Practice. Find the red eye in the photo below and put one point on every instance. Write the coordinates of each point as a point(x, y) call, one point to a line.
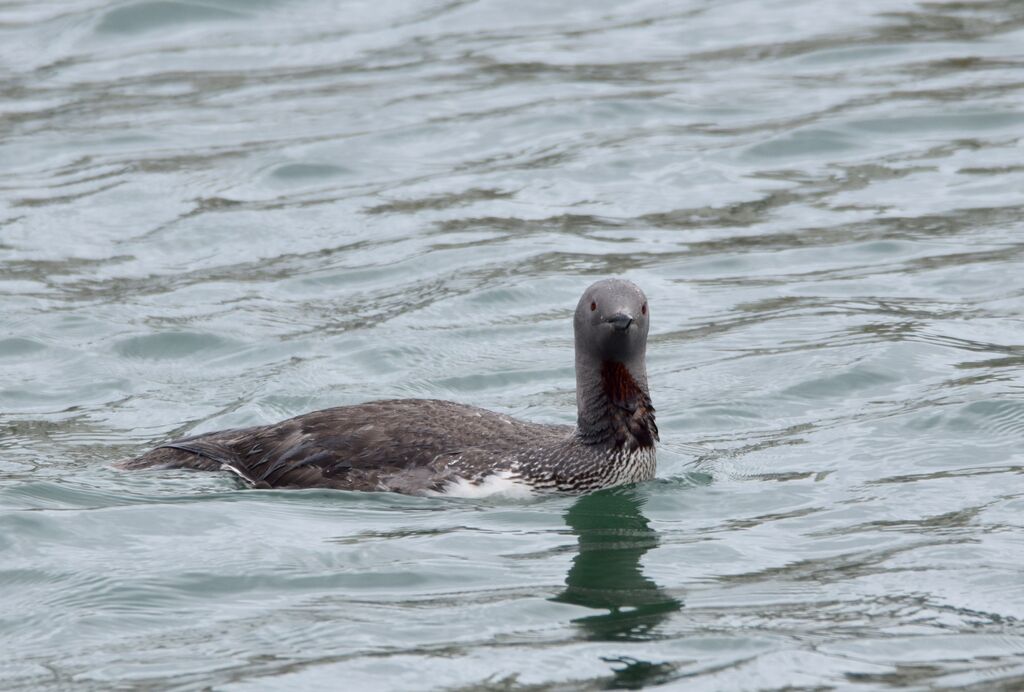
point(644, 309)
point(593, 306)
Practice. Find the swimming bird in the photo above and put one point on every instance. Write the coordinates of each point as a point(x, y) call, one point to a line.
point(432, 447)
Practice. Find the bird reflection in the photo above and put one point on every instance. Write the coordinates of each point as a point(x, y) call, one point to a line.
point(606, 575)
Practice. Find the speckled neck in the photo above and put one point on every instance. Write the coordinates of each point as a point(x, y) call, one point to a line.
point(613, 404)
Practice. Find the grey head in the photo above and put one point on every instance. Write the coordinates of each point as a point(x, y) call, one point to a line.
point(611, 323)
point(612, 400)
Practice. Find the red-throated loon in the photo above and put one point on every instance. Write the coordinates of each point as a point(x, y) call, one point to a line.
point(422, 446)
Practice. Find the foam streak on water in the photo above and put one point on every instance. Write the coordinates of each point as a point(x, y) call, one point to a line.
point(225, 212)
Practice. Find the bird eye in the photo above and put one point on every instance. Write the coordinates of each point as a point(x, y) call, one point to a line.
point(643, 310)
point(593, 306)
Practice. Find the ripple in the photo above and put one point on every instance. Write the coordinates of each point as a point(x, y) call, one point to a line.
point(17, 347)
point(303, 172)
point(225, 213)
point(141, 17)
point(170, 345)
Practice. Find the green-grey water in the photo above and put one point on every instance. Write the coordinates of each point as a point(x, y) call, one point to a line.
point(217, 213)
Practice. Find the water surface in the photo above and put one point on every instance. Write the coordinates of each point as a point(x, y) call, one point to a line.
point(217, 213)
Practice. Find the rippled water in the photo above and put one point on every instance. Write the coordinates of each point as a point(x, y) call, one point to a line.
point(226, 212)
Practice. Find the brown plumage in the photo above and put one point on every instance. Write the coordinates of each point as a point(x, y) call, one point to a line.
point(630, 410)
point(405, 445)
point(421, 445)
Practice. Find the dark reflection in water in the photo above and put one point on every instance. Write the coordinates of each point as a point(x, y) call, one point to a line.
point(606, 574)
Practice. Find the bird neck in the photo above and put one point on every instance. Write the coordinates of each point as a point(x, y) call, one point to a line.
point(613, 405)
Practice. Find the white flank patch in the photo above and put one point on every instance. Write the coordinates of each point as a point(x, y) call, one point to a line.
point(497, 484)
point(232, 469)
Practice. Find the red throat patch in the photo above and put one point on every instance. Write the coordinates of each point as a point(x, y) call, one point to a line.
point(620, 387)
point(631, 411)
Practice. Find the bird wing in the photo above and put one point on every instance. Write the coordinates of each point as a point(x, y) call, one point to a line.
point(390, 445)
